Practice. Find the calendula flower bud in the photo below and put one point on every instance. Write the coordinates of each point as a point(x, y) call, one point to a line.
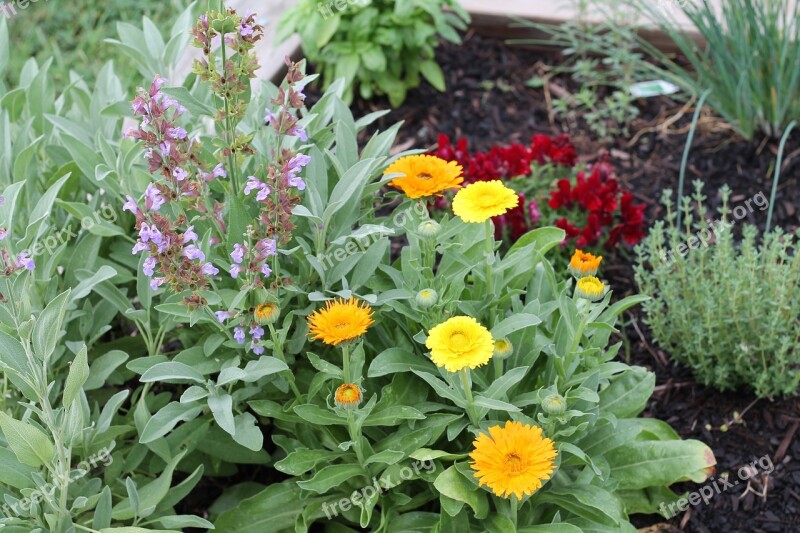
point(429, 228)
point(590, 288)
point(267, 313)
point(584, 264)
point(348, 396)
point(427, 298)
point(554, 404)
point(503, 348)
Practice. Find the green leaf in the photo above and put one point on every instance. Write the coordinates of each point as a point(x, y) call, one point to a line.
point(299, 462)
point(171, 372)
point(514, 323)
point(167, 418)
point(396, 360)
point(31, 446)
point(628, 394)
point(273, 509)
point(317, 415)
point(391, 416)
point(433, 73)
point(48, 325)
point(660, 463)
point(222, 409)
point(78, 374)
point(151, 494)
point(497, 405)
point(331, 476)
point(247, 433)
point(454, 485)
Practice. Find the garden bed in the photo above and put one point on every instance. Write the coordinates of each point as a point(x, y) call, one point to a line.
point(488, 103)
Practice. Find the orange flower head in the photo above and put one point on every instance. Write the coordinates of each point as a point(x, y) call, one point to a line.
point(425, 175)
point(584, 264)
point(348, 396)
point(340, 321)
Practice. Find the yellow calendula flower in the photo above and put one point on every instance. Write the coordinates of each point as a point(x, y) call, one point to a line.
point(425, 175)
point(584, 264)
point(460, 342)
point(590, 288)
point(348, 396)
point(266, 313)
point(340, 321)
point(482, 200)
point(513, 459)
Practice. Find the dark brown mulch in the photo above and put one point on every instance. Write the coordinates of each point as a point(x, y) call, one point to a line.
point(488, 102)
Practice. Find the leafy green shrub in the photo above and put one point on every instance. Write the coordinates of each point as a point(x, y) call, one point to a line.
point(730, 311)
point(750, 60)
point(382, 46)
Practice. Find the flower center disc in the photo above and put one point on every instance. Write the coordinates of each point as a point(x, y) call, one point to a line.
point(458, 341)
point(424, 176)
point(514, 463)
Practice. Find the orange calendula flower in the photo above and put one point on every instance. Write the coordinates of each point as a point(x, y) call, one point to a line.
point(340, 321)
point(425, 175)
point(267, 313)
point(348, 396)
point(584, 264)
point(513, 459)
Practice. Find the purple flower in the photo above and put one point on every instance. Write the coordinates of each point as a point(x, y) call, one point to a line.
point(156, 86)
point(266, 270)
point(163, 245)
point(192, 252)
point(190, 235)
point(258, 350)
point(270, 117)
point(3, 233)
point(166, 148)
point(153, 198)
point(2, 201)
point(235, 270)
point(139, 106)
point(264, 193)
point(176, 133)
point(298, 131)
point(257, 332)
point(219, 172)
point(252, 184)
point(130, 205)
point(148, 266)
point(180, 174)
point(222, 316)
point(246, 29)
point(24, 261)
point(238, 253)
point(150, 233)
point(209, 270)
point(238, 334)
point(155, 283)
point(139, 247)
point(267, 247)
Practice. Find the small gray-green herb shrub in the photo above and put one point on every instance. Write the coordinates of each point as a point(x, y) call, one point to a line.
point(727, 309)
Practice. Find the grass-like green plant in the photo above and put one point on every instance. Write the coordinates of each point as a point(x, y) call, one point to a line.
point(750, 58)
point(381, 46)
point(72, 34)
point(728, 310)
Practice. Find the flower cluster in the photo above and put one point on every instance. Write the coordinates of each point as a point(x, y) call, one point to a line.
point(589, 205)
point(584, 266)
point(605, 208)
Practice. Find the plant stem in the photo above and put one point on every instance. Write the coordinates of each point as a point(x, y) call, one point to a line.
point(513, 505)
point(230, 136)
point(467, 386)
point(277, 349)
point(346, 363)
